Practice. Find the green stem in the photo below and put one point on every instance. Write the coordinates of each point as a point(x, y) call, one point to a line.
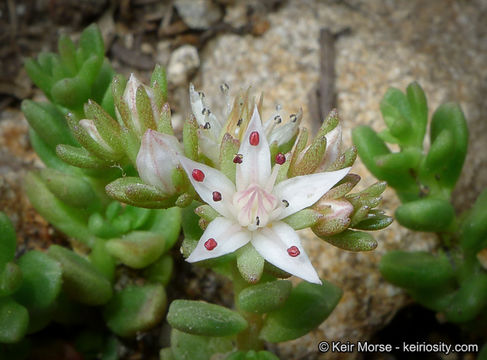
point(249, 338)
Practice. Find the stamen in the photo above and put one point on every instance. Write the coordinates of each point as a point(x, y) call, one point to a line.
point(254, 138)
point(293, 117)
point(224, 87)
point(257, 221)
point(198, 175)
point(278, 119)
point(217, 196)
point(293, 251)
point(238, 159)
point(280, 158)
point(207, 125)
point(286, 203)
point(210, 244)
point(201, 94)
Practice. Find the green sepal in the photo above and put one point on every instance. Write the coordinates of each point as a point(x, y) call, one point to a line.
point(102, 260)
point(469, 301)
point(164, 124)
point(119, 82)
point(311, 158)
point(39, 77)
point(10, 279)
point(136, 308)
point(343, 187)
point(417, 269)
point(265, 297)
point(73, 190)
point(94, 146)
point(190, 138)
point(71, 92)
point(144, 110)
point(80, 157)
point(42, 281)
point(108, 128)
point(426, 215)
point(206, 212)
point(137, 249)
point(376, 220)
point(14, 321)
point(450, 117)
point(202, 318)
point(303, 219)
point(160, 271)
point(91, 42)
point(158, 78)
point(346, 159)
point(48, 122)
point(228, 150)
point(8, 241)
point(306, 308)
point(352, 240)
point(133, 191)
point(418, 106)
point(82, 282)
point(301, 142)
point(250, 263)
point(474, 226)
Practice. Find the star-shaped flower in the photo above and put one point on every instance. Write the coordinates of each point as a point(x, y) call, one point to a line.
point(252, 209)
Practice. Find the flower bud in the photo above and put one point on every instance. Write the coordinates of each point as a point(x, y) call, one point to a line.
point(157, 160)
point(336, 216)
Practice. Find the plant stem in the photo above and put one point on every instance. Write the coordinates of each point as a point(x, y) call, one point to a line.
point(249, 338)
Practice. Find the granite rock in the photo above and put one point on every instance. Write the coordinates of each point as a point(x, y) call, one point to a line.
point(198, 14)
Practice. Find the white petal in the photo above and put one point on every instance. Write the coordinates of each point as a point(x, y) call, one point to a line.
point(196, 105)
point(157, 158)
point(228, 236)
point(333, 145)
point(214, 181)
point(208, 146)
point(273, 244)
point(303, 191)
point(256, 159)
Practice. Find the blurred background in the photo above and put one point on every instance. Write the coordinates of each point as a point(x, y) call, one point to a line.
point(310, 54)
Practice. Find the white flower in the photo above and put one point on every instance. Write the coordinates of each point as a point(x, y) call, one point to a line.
point(280, 131)
point(252, 209)
point(157, 159)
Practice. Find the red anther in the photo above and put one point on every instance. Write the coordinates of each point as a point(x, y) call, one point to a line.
point(198, 175)
point(292, 251)
point(210, 244)
point(238, 159)
point(280, 158)
point(254, 138)
point(217, 196)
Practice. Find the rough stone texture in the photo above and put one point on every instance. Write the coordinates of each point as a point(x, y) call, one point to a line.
point(198, 14)
point(184, 61)
point(440, 44)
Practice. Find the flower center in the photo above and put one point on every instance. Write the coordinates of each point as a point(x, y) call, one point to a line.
point(254, 206)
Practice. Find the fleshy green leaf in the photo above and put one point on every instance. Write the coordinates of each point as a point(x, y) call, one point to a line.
point(306, 308)
point(14, 320)
point(469, 301)
point(426, 215)
point(419, 111)
point(8, 240)
point(136, 308)
point(81, 280)
point(10, 279)
point(42, 280)
point(137, 249)
point(160, 271)
point(264, 298)
point(417, 269)
point(202, 318)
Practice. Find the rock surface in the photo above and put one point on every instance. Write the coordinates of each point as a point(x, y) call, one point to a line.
point(438, 44)
point(184, 61)
point(198, 14)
